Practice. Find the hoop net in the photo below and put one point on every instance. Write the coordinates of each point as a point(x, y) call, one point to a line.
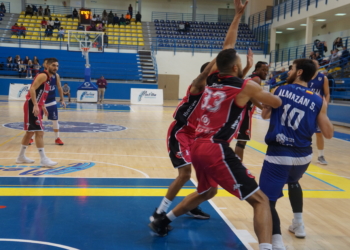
point(85, 51)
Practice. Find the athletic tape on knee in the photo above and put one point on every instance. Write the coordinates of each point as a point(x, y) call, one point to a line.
point(240, 145)
point(55, 125)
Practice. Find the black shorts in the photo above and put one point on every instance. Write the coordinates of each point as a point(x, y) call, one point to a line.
point(245, 130)
point(31, 122)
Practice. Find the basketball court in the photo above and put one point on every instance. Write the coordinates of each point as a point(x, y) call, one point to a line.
point(113, 172)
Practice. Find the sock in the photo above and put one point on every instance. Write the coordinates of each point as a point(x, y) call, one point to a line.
point(277, 241)
point(164, 205)
point(265, 246)
point(298, 217)
point(42, 153)
point(57, 134)
point(23, 150)
point(320, 153)
point(171, 216)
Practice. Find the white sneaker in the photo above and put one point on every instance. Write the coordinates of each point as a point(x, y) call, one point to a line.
point(30, 77)
point(298, 229)
point(322, 161)
point(27, 77)
point(23, 159)
point(47, 163)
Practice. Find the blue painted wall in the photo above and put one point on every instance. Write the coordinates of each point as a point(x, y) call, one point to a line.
point(339, 113)
point(114, 90)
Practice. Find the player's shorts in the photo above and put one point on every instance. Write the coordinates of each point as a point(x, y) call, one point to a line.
point(283, 165)
point(179, 141)
point(31, 122)
point(52, 110)
point(245, 130)
point(217, 164)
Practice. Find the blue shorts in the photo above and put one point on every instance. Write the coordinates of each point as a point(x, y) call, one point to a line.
point(283, 165)
point(53, 112)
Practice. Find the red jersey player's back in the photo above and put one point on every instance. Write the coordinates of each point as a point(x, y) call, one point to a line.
point(41, 92)
point(221, 116)
point(187, 111)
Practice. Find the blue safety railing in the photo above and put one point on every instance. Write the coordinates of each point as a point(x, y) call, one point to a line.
point(7, 6)
point(261, 18)
point(188, 17)
point(201, 45)
point(261, 34)
point(57, 9)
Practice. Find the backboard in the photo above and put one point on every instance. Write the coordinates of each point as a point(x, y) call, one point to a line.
point(78, 39)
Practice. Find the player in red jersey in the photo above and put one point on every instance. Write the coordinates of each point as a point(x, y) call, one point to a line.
point(260, 73)
point(33, 108)
point(181, 133)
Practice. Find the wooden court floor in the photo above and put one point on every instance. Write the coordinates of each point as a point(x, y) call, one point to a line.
point(132, 145)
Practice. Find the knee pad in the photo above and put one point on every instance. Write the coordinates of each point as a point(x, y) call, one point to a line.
point(241, 144)
point(55, 125)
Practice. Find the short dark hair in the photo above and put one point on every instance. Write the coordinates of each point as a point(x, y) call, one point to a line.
point(51, 60)
point(290, 67)
point(259, 64)
point(308, 67)
point(204, 66)
point(226, 60)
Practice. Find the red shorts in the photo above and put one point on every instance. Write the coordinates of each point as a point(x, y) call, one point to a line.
point(217, 164)
point(179, 141)
point(31, 122)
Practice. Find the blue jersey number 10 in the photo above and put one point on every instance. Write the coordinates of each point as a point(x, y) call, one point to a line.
point(300, 114)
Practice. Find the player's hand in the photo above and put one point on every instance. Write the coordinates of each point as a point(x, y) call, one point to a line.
point(63, 104)
point(36, 110)
point(45, 112)
point(250, 59)
point(239, 7)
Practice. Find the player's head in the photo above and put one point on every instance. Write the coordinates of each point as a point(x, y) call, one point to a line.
point(204, 66)
point(52, 65)
point(303, 70)
point(261, 70)
point(44, 63)
point(229, 62)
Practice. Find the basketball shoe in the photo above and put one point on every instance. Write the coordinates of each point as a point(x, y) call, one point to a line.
point(58, 141)
point(160, 225)
point(298, 229)
point(155, 215)
point(31, 141)
point(47, 163)
point(23, 159)
point(322, 161)
point(198, 214)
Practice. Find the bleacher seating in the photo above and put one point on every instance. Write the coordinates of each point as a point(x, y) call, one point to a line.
point(116, 66)
point(202, 35)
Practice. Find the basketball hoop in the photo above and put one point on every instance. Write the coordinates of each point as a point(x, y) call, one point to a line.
point(85, 51)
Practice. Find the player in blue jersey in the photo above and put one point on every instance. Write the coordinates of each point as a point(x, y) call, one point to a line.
point(51, 105)
point(320, 85)
point(289, 137)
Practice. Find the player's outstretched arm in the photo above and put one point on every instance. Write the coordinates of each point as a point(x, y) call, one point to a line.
point(266, 112)
point(232, 33)
point(253, 90)
point(199, 83)
point(324, 123)
point(250, 62)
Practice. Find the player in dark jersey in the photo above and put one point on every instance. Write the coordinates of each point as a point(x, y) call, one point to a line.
point(289, 138)
point(51, 104)
point(181, 133)
point(260, 73)
point(320, 85)
point(34, 106)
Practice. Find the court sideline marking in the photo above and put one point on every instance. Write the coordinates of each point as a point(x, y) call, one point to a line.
point(41, 243)
point(12, 138)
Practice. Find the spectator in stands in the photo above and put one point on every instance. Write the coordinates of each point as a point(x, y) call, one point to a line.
point(127, 18)
point(110, 17)
point(344, 59)
point(105, 40)
point(284, 75)
point(99, 27)
point(94, 18)
point(80, 27)
point(130, 10)
point(22, 31)
point(61, 33)
point(26, 60)
point(9, 62)
point(122, 20)
point(338, 42)
point(312, 56)
point(75, 13)
point(15, 29)
point(334, 58)
point(36, 66)
point(93, 27)
point(50, 23)
point(102, 85)
point(187, 26)
point(35, 59)
point(48, 31)
point(321, 47)
point(138, 17)
point(2, 8)
point(181, 26)
point(319, 58)
point(21, 69)
point(29, 69)
point(272, 80)
point(35, 9)
point(47, 11)
point(98, 19)
point(66, 91)
point(40, 11)
point(56, 24)
point(44, 23)
point(115, 19)
point(104, 16)
point(29, 11)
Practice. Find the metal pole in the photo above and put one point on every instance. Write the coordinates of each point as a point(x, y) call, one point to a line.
point(299, 6)
point(194, 10)
point(292, 7)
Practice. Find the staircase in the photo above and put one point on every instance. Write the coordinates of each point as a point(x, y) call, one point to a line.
point(7, 21)
point(148, 67)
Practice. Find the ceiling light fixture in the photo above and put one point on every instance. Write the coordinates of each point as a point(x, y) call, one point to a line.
point(290, 28)
point(321, 20)
point(340, 14)
point(279, 32)
point(303, 24)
